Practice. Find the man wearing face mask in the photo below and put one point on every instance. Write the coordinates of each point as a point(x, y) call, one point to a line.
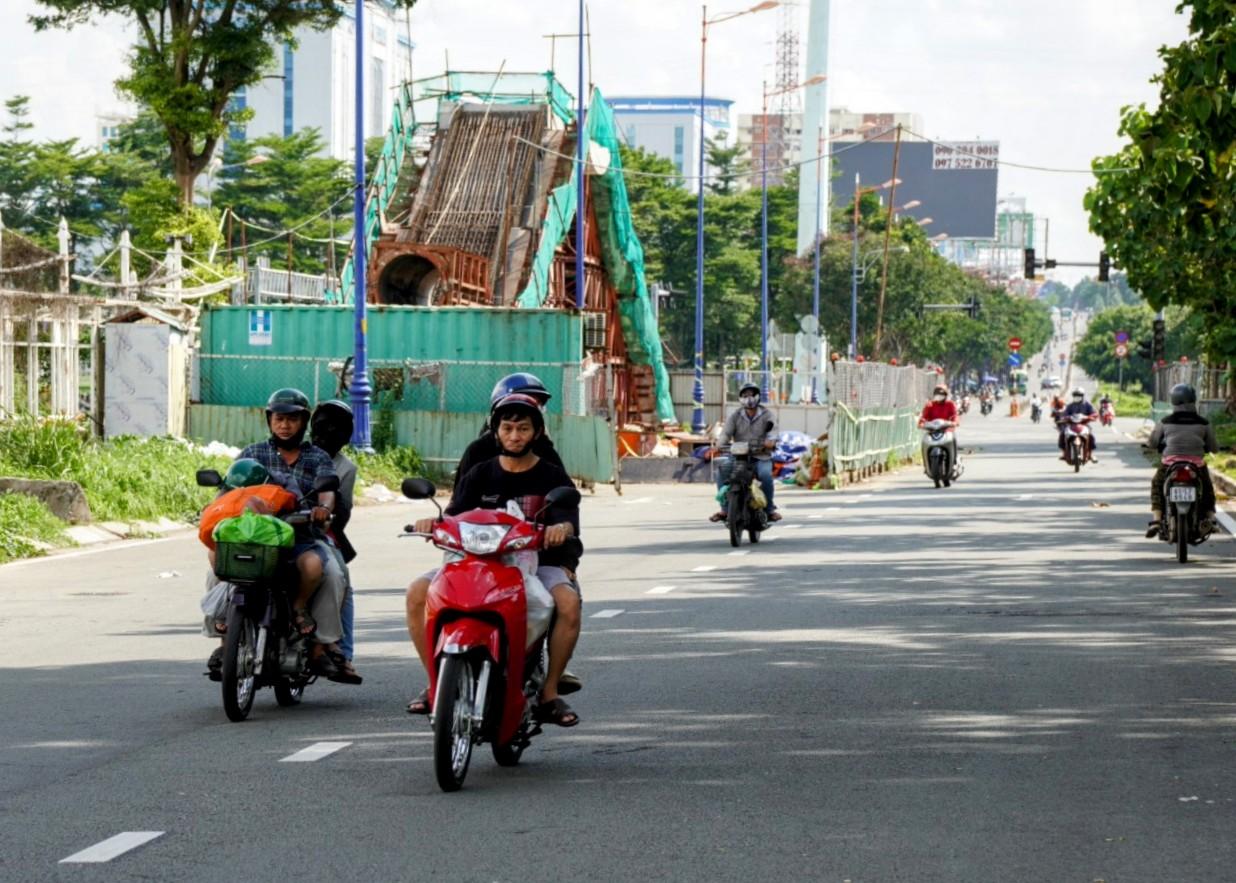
point(1079, 405)
point(941, 408)
point(754, 424)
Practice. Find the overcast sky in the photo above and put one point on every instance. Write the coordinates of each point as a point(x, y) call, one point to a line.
point(1046, 78)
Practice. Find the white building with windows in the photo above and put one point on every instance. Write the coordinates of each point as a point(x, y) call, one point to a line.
point(314, 84)
point(669, 126)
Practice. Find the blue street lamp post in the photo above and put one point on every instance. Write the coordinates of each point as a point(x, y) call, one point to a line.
point(360, 389)
point(697, 392)
point(854, 275)
point(818, 78)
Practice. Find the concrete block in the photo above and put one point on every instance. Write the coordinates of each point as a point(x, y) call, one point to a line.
point(65, 499)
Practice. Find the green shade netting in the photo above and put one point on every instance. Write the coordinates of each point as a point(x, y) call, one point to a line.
point(621, 252)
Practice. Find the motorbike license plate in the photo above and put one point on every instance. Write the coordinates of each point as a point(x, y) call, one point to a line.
point(1182, 494)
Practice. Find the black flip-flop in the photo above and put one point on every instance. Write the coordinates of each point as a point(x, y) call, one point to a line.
point(421, 704)
point(556, 712)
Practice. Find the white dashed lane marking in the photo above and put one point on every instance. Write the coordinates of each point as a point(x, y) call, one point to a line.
point(738, 553)
point(815, 517)
point(790, 526)
point(660, 590)
point(108, 849)
point(606, 614)
point(316, 751)
point(703, 568)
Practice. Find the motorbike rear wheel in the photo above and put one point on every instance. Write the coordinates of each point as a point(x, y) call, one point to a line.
point(239, 660)
point(1182, 537)
point(452, 723)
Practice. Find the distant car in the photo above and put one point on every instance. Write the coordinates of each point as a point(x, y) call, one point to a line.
point(1050, 383)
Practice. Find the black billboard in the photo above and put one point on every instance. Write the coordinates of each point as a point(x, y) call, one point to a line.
point(954, 182)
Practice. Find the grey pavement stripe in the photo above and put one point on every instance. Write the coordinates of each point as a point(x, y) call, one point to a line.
point(108, 849)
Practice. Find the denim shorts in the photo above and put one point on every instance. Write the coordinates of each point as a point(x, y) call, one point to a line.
point(310, 546)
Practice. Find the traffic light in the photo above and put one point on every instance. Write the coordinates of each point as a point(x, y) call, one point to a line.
point(1144, 350)
point(1105, 266)
point(1159, 347)
point(1029, 263)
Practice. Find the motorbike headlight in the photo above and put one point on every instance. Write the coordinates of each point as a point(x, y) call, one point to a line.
point(482, 539)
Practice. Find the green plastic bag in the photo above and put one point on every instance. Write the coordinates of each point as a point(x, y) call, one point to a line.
point(260, 530)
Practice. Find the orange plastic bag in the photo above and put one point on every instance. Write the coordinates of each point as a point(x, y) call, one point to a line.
point(267, 499)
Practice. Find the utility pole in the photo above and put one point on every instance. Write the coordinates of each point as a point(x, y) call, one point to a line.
point(888, 229)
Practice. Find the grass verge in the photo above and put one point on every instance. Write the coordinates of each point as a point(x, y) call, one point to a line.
point(1130, 403)
point(27, 528)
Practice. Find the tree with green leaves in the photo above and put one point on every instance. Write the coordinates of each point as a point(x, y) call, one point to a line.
point(1163, 203)
point(728, 164)
point(290, 187)
point(191, 58)
point(1096, 351)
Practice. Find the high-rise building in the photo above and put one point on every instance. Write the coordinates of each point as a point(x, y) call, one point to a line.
point(314, 84)
point(107, 126)
point(843, 125)
point(669, 127)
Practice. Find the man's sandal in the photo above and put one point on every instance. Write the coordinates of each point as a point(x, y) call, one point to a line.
point(421, 704)
point(346, 673)
point(555, 711)
point(303, 623)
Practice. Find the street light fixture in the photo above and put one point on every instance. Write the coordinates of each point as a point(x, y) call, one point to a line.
point(923, 222)
point(697, 392)
point(812, 81)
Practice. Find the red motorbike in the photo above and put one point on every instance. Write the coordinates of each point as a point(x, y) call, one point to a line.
point(1183, 525)
point(1106, 414)
point(1078, 442)
point(488, 662)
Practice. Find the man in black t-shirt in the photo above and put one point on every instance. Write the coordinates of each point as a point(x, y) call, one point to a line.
point(519, 475)
point(485, 447)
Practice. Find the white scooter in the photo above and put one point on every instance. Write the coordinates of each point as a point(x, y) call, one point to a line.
point(938, 447)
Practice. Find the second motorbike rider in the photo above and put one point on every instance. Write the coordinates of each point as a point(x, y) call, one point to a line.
point(754, 424)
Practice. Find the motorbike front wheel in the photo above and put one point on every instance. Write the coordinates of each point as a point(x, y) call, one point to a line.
point(239, 662)
point(1182, 537)
point(452, 723)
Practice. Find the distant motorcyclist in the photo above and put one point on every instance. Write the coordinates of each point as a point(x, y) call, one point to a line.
point(1078, 407)
point(940, 408)
point(751, 424)
point(1182, 433)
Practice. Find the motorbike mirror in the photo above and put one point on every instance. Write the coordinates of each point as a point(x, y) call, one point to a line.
point(209, 478)
point(325, 483)
point(418, 489)
point(562, 496)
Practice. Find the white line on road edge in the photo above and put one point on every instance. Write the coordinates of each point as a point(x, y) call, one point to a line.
point(738, 553)
point(660, 590)
point(316, 751)
point(790, 526)
point(815, 517)
point(638, 500)
point(111, 847)
point(607, 614)
point(93, 550)
point(703, 568)
point(1229, 524)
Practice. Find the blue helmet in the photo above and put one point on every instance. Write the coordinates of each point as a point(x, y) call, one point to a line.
point(519, 382)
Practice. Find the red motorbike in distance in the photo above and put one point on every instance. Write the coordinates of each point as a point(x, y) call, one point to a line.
point(488, 657)
point(1106, 413)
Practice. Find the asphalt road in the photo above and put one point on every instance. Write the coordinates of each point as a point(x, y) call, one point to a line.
point(997, 681)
